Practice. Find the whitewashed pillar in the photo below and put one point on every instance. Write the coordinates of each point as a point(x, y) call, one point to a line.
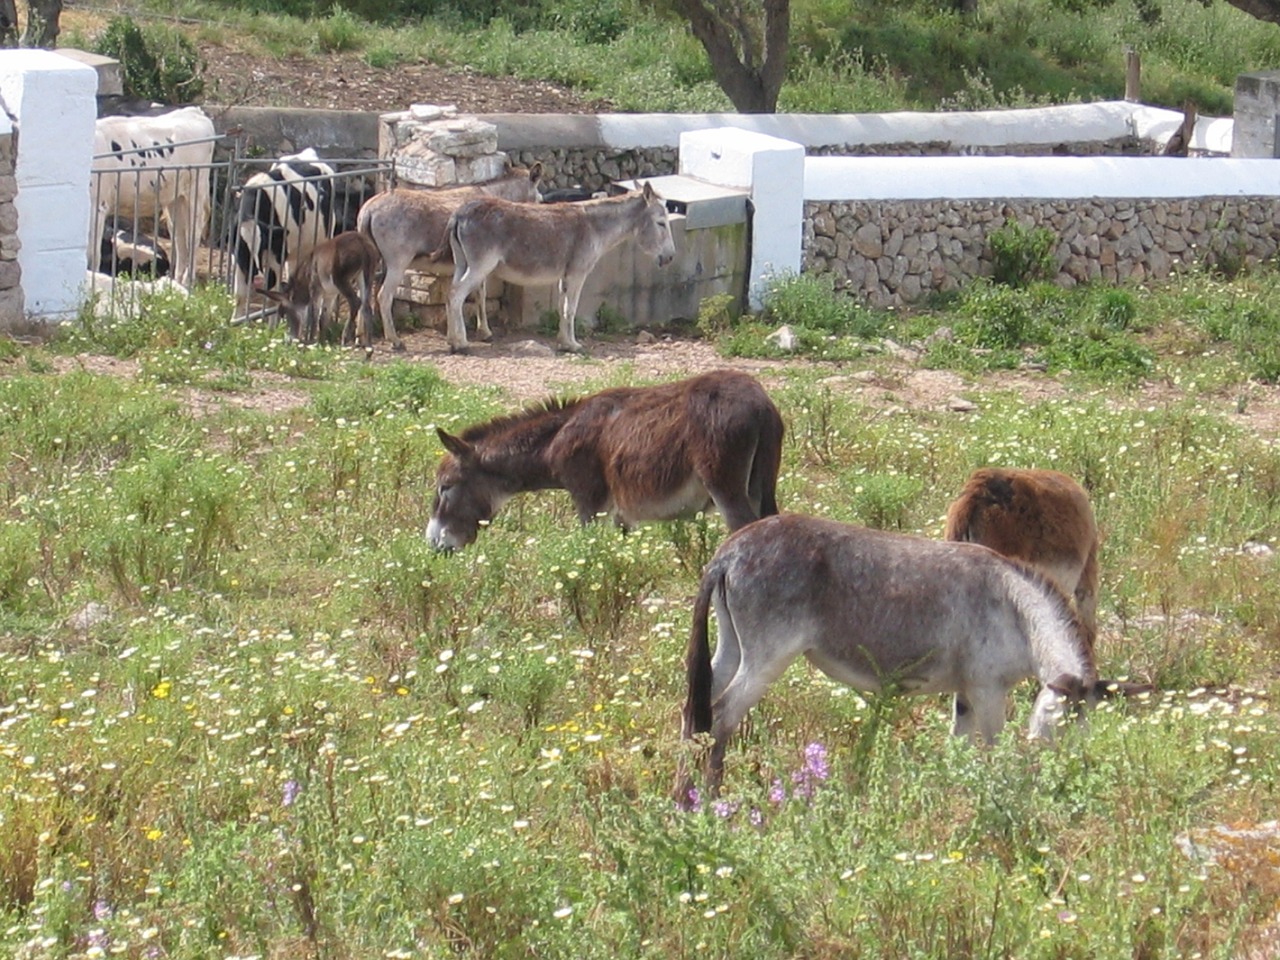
point(773, 170)
point(52, 102)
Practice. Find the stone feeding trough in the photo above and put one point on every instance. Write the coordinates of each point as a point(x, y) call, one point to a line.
point(433, 147)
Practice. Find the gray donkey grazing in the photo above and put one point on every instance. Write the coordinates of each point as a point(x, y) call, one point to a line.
point(874, 609)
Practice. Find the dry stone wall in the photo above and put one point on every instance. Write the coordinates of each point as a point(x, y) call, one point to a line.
point(11, 299)
point(895, 252)
point(594, 168)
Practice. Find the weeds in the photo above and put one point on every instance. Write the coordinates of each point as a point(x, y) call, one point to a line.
point(296, 724)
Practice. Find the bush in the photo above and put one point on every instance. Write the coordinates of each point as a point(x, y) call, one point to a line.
point(158, 62)
point(1021, 255)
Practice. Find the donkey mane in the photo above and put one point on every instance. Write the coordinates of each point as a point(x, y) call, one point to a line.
point(1060, 604)
point(534, 411)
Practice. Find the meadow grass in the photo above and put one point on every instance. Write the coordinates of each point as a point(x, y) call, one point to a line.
point(245, 711)
point(860, 57)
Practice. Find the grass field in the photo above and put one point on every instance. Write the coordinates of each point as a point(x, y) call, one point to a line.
point(245, 711)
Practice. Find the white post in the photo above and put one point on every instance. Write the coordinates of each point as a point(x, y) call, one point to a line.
point(773, 170)
point(51, 100)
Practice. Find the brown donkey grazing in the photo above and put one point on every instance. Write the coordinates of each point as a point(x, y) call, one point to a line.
point(1040, 517)
point(635, 453)
point(875, 610)
point(309, 297)
point(548, 243)
point(406, 224)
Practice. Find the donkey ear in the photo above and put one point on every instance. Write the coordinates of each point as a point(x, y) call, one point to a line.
point(455, 445)
point(535, 172)
point(1065, 685)
point(647, 191)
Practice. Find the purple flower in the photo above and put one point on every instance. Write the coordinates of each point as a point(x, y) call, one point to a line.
point(102, 910)
point(815, 761)
point(814, 771)
point(291, 791)
point(695, 800)
point(724, 809)
point(777, 793)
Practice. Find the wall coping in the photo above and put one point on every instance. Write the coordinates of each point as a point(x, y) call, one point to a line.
point(1050, 178)
point(1108, 120)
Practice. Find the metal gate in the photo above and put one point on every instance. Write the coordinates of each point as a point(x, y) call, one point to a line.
point(132, 203)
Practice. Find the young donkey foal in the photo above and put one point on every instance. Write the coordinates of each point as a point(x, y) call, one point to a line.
point(636, 453)
point(1040, 517)
point(548, 243)
point(309, 297)
point(873, 609)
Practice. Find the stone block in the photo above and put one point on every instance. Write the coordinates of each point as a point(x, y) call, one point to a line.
point(480, 169)
point(432, 171)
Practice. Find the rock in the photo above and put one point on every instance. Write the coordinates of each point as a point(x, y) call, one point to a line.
point(784, 338)
point(961, 405)
point(89, 616)
point(531, 348)
point(644, 337)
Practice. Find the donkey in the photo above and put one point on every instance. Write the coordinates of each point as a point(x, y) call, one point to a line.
point(635, 453)
point(548, 243)
point(405, 224)
point(875, 610)
point(309, 297)
point(1040, 517)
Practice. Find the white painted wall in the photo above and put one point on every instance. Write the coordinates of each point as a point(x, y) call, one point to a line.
point(773, 170)
point(51, 100)
point(983, 128)
point(928, 178)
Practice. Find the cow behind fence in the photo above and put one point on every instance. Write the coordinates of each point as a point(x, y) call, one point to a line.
point(154, 168)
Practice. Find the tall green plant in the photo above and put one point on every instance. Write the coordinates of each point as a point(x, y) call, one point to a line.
point(159, 63)
point(1021, 255)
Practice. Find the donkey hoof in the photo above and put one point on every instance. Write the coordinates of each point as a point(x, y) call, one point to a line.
point(368, 353)
point(463, 350)
point(575, 348)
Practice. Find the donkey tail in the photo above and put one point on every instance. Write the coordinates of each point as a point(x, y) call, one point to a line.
point(445, 247)
point(767, 462)
point(697, 706)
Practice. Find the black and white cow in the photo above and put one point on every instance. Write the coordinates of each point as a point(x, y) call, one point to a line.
point(285, 212)
point(126, 252)
point(146, 168)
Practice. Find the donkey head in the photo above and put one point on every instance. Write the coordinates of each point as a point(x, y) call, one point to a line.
point(1068, 695)
point(467, 495)
point(654, 235)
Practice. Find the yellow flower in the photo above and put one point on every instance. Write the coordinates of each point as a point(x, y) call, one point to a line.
point(162, 689)
point(155, 833)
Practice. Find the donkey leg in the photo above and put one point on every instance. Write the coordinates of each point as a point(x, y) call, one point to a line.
point(979, 714)
point(1086, 594)
point(465, 280)
point(395, 270)
point(482, 313)
point(572, 288)
point(744, 691)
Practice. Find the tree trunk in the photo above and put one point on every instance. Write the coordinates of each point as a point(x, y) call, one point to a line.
point(967, 6)
point(42, 22)
point(749, 63)
point(1268, 10)
point(8, 23)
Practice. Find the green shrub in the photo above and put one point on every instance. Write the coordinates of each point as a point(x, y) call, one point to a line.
point(1021, 255)
point(340, 30)
point(158, 62)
